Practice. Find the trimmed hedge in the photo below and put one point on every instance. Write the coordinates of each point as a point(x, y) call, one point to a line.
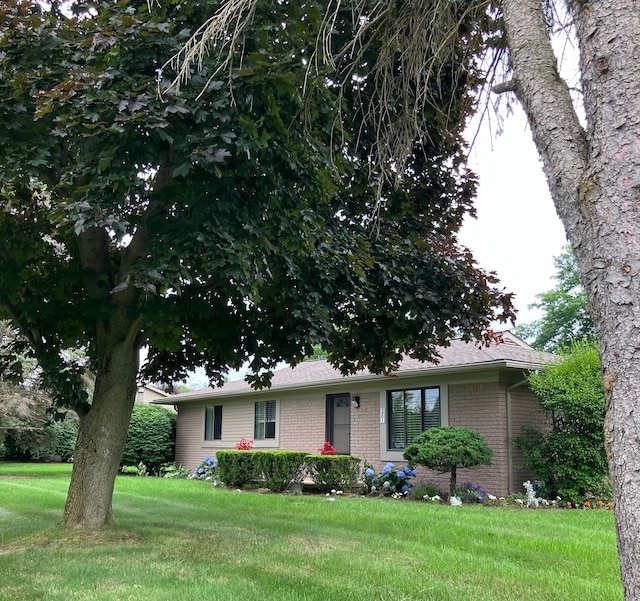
point(237, 468)
point(329, 472)
point(280, 470)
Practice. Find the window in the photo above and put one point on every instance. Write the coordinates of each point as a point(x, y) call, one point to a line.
point(265, 420)
point(213, 423)
point(410, 413)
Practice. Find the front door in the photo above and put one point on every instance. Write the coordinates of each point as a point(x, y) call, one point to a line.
point(339, 422)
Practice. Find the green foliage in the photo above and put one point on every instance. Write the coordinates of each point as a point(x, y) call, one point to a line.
point(448, 448)
point(237, 225)
point(151, 437)
point(237, 468)
point(329, 472)
point(570, 458)
point(425, 491)
point(172, 471)
point(279, 470)
point(565, 314)
point(27, 443)
point(66, 434)
point(390, 481)
point(115, 197)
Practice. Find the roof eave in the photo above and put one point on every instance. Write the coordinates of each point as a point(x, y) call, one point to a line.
point(364, 378)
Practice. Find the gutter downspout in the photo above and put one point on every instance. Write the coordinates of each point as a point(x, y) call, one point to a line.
point(510, 434)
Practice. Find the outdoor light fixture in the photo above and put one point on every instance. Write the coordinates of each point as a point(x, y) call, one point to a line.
point(355, 402)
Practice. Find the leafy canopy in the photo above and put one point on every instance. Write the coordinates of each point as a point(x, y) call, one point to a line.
point(238, 224)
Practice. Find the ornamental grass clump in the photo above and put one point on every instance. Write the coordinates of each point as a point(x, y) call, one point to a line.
point(448, 448)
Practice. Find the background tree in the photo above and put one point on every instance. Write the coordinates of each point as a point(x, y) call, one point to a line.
point(570, 458)
point(241, 224)
point(448, 448)
point(565, 317)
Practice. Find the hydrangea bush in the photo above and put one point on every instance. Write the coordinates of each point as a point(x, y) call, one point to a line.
point(390, 481)
point(207, 470)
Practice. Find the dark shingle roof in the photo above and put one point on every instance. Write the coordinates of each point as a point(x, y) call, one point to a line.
point(466, 356)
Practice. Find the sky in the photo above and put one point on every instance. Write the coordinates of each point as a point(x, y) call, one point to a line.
point(517, 232)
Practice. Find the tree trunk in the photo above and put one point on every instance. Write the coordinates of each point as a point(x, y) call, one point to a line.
point(594, 177)
point(102, 435)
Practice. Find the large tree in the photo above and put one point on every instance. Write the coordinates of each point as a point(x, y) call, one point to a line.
point(593, 172)
point(246, 223)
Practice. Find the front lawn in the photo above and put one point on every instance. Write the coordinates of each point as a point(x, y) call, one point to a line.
point(184, 540)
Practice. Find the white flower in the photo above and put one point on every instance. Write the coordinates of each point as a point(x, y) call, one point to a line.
point(519, 501)
point(435, 498)
point(491, 497)
point(455, 501)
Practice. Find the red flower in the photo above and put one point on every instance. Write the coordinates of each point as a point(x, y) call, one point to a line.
point(244, 444)
point(327, 449)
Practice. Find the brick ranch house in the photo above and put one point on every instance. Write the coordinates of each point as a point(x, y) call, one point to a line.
point(373, 417)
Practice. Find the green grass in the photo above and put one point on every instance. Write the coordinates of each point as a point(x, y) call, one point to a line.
point(177, 539)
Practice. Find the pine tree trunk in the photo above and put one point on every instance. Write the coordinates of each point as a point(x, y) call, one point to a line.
point(102, 435)
point(594, 177)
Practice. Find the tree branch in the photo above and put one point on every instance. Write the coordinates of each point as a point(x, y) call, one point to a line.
point(545, 97)
point(505, 86)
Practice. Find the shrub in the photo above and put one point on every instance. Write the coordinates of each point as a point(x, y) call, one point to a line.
point(420, 491)
point(66, 434)
point(468, 493)
point(570, 459)
point(448, 448)
point(171, 470)
point(390, 481)
point(206, 470)
point(151, 436)
point(279, 470)
point(237, 468)
point(328, 472)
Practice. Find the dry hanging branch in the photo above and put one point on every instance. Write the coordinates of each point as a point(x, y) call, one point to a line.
point(417, 40)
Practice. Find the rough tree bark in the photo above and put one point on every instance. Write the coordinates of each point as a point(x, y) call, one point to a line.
point(103, 428)
point(594, 178)
point(104, 423)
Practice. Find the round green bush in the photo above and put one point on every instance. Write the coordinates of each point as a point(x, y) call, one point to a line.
point(448, 448)
point(151, 437)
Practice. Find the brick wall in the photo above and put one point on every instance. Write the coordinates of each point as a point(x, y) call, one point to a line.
point(483, 408)
point(302, 423)
point(365, 429)
point(525, 411)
